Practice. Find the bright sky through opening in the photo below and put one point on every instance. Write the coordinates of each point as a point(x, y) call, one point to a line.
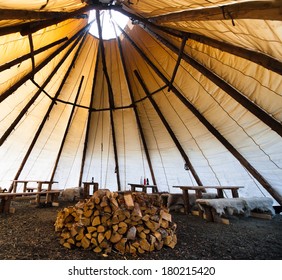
point(108, 30)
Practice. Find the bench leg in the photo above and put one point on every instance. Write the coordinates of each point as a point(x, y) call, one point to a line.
point(235, 193)
point(220, 193)
point(207, 210)
point(5, 205)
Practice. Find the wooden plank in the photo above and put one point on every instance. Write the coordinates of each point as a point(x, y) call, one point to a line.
point(267, 10)
point(264, 216)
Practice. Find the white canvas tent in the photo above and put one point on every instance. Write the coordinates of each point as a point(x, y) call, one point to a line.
point(188, 94)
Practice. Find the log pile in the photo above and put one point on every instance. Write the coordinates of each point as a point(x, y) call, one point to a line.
point(127, 222)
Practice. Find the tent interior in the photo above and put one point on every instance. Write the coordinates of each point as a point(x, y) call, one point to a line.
point(187, 92)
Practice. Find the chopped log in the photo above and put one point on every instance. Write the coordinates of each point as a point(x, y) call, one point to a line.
point(91, 229)
point(85, 242)
point(101, 237)
point(96, 221)
point(128, 201)
point(131, 233)
point(159, 245)
point(158, 235)
point(97, 249)
point(165, 215)
point(153, 226)
point(142, 235)
point(67, 245)
point(108, 234)
point(145, 245)
point(120, 246)
point(114, 203)
point(94, 241)
point(115, 227)
point(101, 228)
point(132, 249)
point(116, 237)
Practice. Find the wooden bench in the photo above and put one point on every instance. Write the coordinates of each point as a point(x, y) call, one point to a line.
point(199, 190)
point(6, 198)
point(213, 209)
point(144, 188)
point(25, 183)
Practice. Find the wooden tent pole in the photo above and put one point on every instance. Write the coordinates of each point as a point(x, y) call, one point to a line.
point(262, 59)
point(66, 131)
point(33, 26)
point(209, 126)
point(28, 76)
point(144, 142)
point(235, 94)
point(51, 105)
point(28, 56)
point(267, 10)
point(31, 52)
point(85, 146)
point(180, 53)
point(32, 100)
point(111, 96)
point(168, 128)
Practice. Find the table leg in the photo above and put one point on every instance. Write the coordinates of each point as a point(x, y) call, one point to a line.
point(220, 193)
point(48, 196)
point(186, 201)
point(199, 194)
point(39, 189)
point(95, 188)
point(85, 190)
point(15, 187)
point(25, 187)
point(235, 192)
point(5, 205)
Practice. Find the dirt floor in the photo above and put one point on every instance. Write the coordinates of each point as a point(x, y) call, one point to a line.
point(29, 234)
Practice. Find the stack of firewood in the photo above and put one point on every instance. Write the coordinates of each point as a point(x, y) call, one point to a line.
point(125, 222)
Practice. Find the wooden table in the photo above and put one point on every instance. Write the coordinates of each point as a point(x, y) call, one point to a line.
point(86, 188)
point(199, 193)
point(39, 187)
point(6, 198)
point(144, 187)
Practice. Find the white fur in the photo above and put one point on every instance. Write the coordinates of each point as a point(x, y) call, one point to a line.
point(71, 194)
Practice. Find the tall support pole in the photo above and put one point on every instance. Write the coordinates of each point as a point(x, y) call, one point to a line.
point(111, 96)
point(137, 116)
point(66, 131)
point(169, 129)
point(178, 61)
point(88, 122)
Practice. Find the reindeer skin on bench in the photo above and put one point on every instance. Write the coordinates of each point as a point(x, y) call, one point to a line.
point(241, 205)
